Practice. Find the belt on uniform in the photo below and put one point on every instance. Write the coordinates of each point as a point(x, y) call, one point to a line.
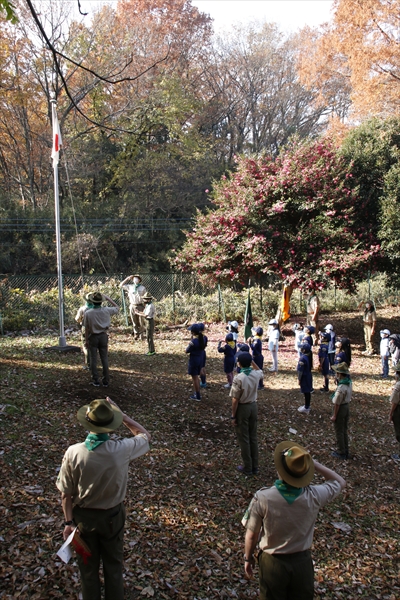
point(116, 508)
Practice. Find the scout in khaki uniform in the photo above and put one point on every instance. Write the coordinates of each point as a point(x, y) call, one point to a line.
point(93, 480)
point(369, 322)
point(148, 315)
point(135, 291)
point(394, 416)
point(341, 400)
point(312, 309)
point(281, 520)
point(244, 411)
point(79, 319)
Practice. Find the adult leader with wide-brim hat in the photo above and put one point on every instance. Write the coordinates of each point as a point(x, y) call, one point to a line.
point(341, 368)
point(100, 416)
point(94, 297)
point(294, 464)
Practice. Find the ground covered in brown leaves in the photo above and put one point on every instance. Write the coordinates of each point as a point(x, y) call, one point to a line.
point(185, 498)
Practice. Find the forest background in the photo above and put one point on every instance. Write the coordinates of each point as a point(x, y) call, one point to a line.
point(155, 110)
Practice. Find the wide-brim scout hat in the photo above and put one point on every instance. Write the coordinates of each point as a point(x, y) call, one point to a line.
point(138, 276)
point(147, 297)
point(100, 416)
point(94, 297)
point(294, 464)
point(341, 368)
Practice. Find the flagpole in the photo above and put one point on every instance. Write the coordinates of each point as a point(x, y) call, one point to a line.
point(61, 339)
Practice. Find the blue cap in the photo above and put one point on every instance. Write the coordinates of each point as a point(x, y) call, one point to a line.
point(310, 328)
point(201, 326)
point(243, 347)
point(245, 359)
point(229, 337)
point(325, 335)
point(194, 328)
point(305, 347)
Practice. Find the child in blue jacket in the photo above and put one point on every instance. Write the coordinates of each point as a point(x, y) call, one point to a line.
point(229, 350)
point(304, 375)
point(323, 357)
point(256, 350)
point(195, 350)
point(203, 382)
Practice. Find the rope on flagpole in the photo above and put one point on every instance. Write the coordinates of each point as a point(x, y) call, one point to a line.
point(74, 215)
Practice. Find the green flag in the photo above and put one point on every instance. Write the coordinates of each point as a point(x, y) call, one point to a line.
point(248, 319)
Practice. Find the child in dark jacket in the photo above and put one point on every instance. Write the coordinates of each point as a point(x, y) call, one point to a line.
point(305, 376)
point(324, 359)
point(229, 350)
point(203, 382)
point(195, 350)
point(309, 331)
point(256, 350)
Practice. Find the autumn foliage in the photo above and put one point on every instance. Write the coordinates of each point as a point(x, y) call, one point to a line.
point(295, 217)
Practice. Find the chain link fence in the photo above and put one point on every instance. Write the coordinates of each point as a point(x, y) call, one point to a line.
point(31, 301)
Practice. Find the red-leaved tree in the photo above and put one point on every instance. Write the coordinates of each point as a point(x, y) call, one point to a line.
point(294, 217)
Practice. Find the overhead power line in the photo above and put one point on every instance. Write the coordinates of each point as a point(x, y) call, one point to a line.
point(88, 225)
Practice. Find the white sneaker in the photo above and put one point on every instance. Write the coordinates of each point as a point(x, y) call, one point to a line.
point(271, 370)
point(227, 385)
point(303, 409)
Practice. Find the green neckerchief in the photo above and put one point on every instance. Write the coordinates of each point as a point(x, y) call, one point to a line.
point(345, 381)
point(246, 370)
point(232, 344)
point(287, 491)
point(89, 305)
point(136, 286)
point(95, 439)
point(96, 306)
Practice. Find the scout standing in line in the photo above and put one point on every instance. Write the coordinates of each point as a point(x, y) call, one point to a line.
point(136, 291)
point(341, 400)
point(79, 319)
point(148, 315)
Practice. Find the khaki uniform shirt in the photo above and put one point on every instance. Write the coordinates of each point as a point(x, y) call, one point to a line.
point(80, 314)
point(395, 395)
point(369, 317)
point(312, 305)
point(149, 311)
point(244, 387)
point(342, 394)
point(135, 295)
point(98, 479)
point(98, 320)
point(288, 528)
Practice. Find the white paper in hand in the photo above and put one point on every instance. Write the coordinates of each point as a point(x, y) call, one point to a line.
point(65, 552)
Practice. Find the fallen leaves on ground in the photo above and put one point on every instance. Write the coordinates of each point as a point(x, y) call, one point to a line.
point(185, 499)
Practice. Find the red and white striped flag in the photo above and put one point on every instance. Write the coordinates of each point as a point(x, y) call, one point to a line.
point(57, 141)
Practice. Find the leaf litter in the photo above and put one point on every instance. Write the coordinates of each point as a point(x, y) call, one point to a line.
point(185, 498)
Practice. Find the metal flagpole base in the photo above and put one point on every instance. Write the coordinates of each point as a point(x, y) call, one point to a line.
point(64, 348)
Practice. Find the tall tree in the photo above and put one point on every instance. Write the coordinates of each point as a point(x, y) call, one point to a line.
point(294, 217)
point(361, 45)
point(256, 98)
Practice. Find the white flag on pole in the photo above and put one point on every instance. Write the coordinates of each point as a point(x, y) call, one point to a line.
point(57, 141)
